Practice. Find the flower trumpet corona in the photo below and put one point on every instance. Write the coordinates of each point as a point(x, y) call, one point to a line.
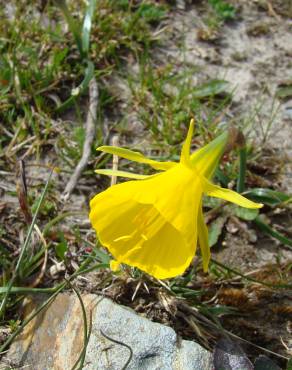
point(154, 222)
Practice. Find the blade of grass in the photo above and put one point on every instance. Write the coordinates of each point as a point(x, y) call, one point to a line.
point(216, 324)
point(223, 179)
point(83, 353)
point(72, 24)
point(86, 332)
point(242, 170)
point(272, 232)
point(34, 314)
point(122, 344)
point(289, 364)
point(59, 218)
point(268, 196)
point(87, 23)
point(187, 292)
point(248, 278)
point(56, 290)
point(27, 290)
point(89, 72)
point(25, 245)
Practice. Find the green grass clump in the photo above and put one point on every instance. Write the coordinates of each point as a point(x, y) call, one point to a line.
point(44, 70)
point(223, 9)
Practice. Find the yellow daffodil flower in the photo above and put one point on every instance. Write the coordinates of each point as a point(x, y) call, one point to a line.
point(154, 222)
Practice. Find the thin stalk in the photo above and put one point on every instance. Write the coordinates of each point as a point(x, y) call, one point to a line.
point(59, 218)
point(26, 321)
point(235, 272)
point(56, 290)
point(72, 24)
point(242, 170)
point(86, 335)
point(26, 290)
point(23, 250)
point(87, 23)
point(272, 232)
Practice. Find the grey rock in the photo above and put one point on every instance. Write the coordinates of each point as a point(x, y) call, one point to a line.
point(54, 340)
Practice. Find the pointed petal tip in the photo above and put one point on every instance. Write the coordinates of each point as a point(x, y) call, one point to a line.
point(229, 195)
point(185, 153)
point(250, 204)
point(125, 174)
point(191, 127)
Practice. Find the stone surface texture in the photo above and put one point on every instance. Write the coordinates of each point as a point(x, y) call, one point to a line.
point(54, 340)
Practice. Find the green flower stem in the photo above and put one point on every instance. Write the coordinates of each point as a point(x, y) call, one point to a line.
point(242, 170)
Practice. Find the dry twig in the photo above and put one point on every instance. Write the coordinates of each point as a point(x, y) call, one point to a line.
point(115, 142)
point(272, 12)
point(89, 137)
